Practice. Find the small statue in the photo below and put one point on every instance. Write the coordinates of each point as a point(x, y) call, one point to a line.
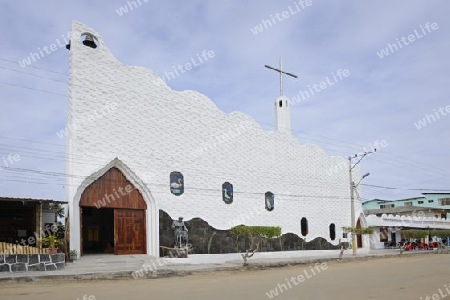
point(181, 233)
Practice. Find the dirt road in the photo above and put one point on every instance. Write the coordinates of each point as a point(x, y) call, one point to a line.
point(382, 278)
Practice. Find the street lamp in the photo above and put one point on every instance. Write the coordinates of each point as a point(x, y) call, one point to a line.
point(356, 185)
point(353, 186)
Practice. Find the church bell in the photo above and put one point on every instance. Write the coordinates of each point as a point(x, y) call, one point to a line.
point(89, 41)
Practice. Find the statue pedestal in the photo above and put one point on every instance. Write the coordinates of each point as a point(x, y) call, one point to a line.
point(175, 252)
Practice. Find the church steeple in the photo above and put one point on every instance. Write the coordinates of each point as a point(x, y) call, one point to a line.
point(282, 115)
point(282, 110)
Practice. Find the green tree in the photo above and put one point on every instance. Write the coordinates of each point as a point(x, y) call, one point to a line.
point(414, 233)
point(256, 235)
point(58, 209)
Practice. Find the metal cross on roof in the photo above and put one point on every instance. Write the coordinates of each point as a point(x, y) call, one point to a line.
point(280, 70)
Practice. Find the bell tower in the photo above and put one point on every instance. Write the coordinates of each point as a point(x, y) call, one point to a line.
point(282, 115)
point(282, 110)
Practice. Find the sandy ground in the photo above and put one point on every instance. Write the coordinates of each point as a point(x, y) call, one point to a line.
point(377, 278)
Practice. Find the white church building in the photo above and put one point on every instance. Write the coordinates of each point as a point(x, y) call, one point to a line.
point(136, 147)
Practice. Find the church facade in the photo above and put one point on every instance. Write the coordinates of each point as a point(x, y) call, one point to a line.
point(136, 148)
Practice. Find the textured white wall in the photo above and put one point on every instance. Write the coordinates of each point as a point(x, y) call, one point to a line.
point(154, 130)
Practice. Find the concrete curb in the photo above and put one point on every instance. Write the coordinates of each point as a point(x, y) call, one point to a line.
point(229, 266)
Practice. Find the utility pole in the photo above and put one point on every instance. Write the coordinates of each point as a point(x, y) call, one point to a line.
point(352, 203)
point(353, 186)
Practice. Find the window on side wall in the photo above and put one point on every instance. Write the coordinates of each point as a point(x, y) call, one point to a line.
point(269, 201)
point(176, 183)
point(304, 226)
point(332, 231)
point(227, 192)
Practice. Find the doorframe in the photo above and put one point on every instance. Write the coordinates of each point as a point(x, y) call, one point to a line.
point(359, 236)
point(81, 230)
point(151, 214)
point(363, 223)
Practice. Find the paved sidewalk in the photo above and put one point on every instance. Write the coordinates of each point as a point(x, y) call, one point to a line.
point(108, 266)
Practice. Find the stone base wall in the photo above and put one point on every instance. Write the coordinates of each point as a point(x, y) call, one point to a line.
point(31, 262)
point(201, 234)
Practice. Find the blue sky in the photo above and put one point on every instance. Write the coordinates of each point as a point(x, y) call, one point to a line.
point(381, 99)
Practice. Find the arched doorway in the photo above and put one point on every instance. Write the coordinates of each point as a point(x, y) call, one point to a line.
point(112, 216)
point(359, 236)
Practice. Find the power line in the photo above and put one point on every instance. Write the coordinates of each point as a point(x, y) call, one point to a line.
point(69, 158)
point(167, 187)
point(406, 189)
point(88, 158)
point(30, 88)
point(32, 74)
point(131, 90)
point(35, 67)
point(301, 132)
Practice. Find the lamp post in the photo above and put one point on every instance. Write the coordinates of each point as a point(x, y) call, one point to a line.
point(353, 186)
